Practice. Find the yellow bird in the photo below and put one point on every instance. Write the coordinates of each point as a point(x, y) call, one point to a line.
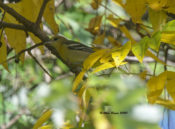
point(72, 53)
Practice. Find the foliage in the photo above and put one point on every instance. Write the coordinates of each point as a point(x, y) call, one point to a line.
point(121, 32)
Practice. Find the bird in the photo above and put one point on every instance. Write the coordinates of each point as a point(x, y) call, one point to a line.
point(71, 53)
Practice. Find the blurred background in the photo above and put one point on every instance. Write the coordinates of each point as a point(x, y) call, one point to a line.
point(26, 91)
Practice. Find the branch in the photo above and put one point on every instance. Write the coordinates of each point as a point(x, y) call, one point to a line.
point(21, 52)
point(41, 12)
point(29, 52)
point(11, 25)
point(16, 15)
point(30, 26)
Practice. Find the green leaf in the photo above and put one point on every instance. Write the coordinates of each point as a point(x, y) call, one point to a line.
point(139, 49)
point(155, 41)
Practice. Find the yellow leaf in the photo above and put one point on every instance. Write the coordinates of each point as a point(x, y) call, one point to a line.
point(46, 127)
point(99, 39)
point(93, 58)
point(170, 6)
point(94, 25)
point(157, 5)
point(28, 8)
point(95, 4)
point(127, 34)
point(3, 52)
point(106, 57)
point(113, 21)
point(86, 98)
point(171, 83)
point(155, 87)
point(119, 56)
point(80, 93)
point(104, 66)
point(139, 49)
point(136, 8)
point(37, 40)
point(166, 103)
point(17, 40)
point(49, 16)
point(157, 19)
point(150, 54)
point(45, 116)
point(168, 38)
point(120, 2)
point(78, 80)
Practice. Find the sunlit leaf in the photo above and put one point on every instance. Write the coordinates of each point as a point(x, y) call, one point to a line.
point(46, 127)
point(104, 66)
point(78, 80)
point(139, 49)
point(170, 26)
point(45, 116)
point(166, 103)
point(157, 19)
point(93, 58)
point(168, 38)
point(118, 2)
point(155, 87)
point(80, 93)
point(86, 98)
point(119, 56)
point(168, 33)
point(113, 21)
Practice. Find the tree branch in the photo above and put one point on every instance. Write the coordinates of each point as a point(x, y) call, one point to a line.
point(11, 25)
point(41, 12)
point(30, 26)
point(25, 50)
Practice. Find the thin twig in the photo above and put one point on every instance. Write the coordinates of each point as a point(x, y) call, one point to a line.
point(29, 52)
point(14, 119)
point(155, 66)
point(21, 52)
point(64, 76)
point(112, 12)
point(38, 21)
point(166, 57)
